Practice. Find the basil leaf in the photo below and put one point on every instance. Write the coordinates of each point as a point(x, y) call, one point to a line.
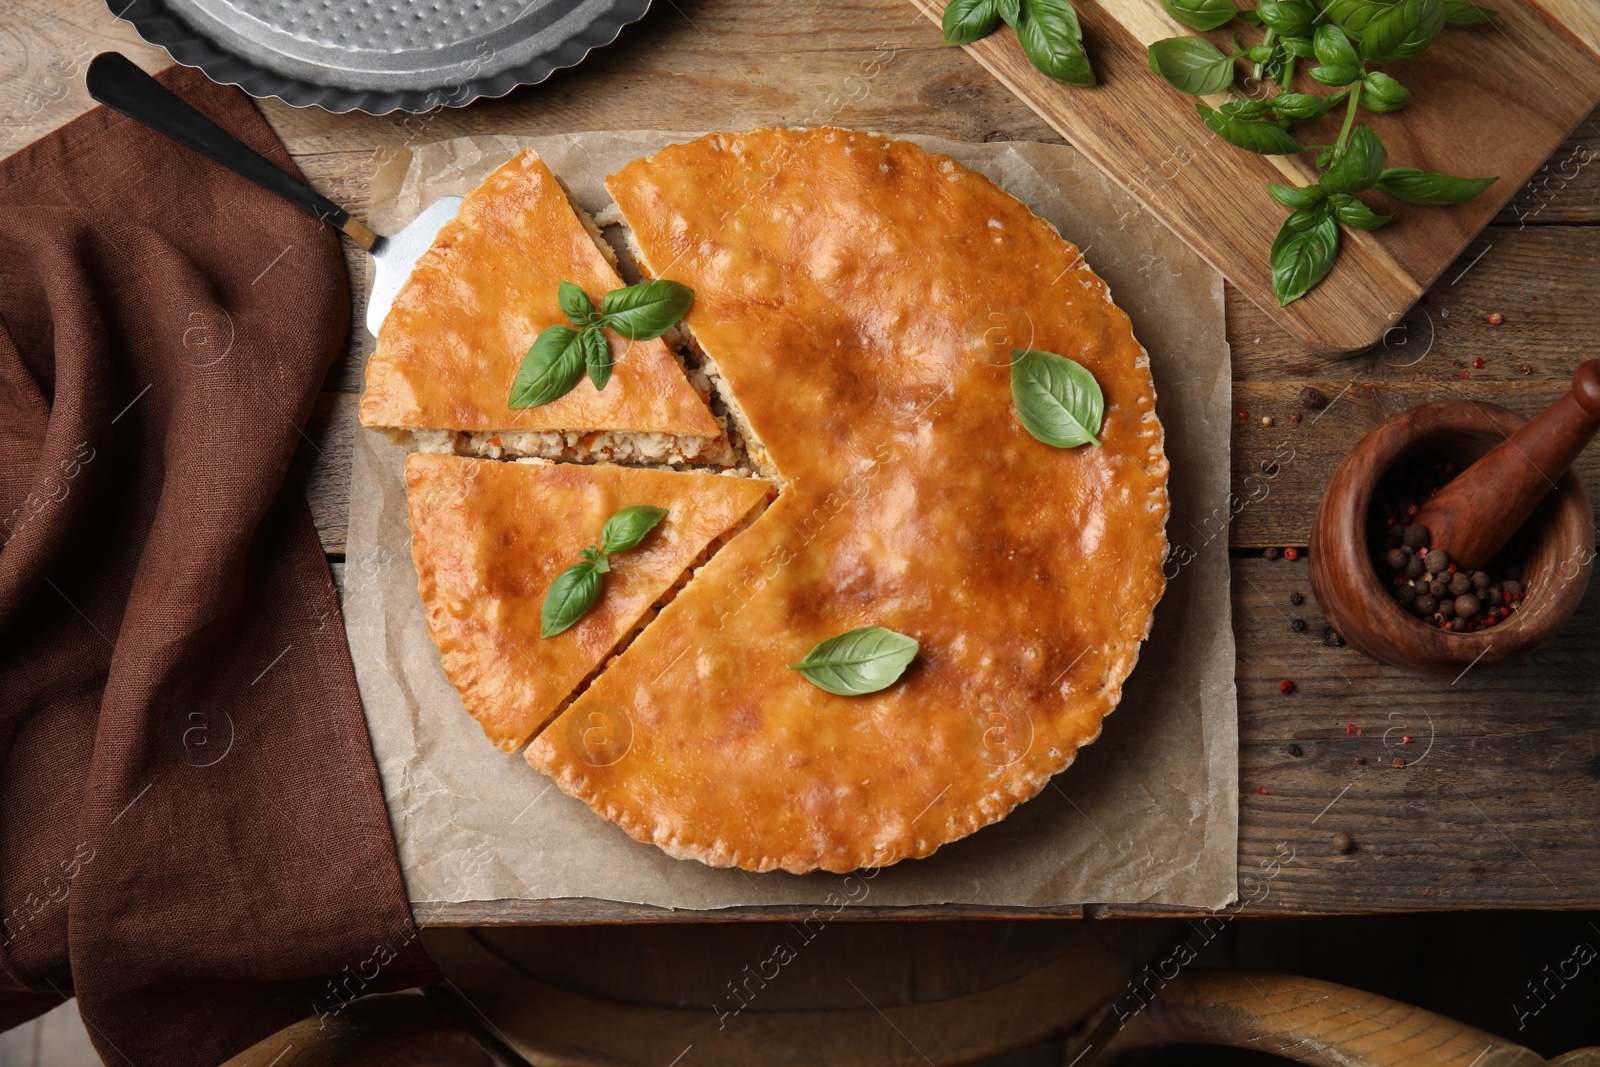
point(1057, 400)
point(859, 661)
point(966, 21)
point(596, 557)
point(1290, 18)
point(1191, 65)
point(1010, 11)
point(1246, 109)
point(1200, 14)
point(624, 530)
point(1431, 190)
point(1265, 138)
point(1298, 47)
point(1303, 252)
point(596, 356)
point(647, 310)
point(1461, 14)
point(1302, 107)
point(1359, 166)
point(1333, 48)
point(550, 369)
point(1297, 196)
point(1404, 31)
point(575, 303)
point(569, 598)
point(1381, 94)
point(1053, 41)
point(1352, 16)
point(1352, 212)
point(1249, 15)
point(1336, 76)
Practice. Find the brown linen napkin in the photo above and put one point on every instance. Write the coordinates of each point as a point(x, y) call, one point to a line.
point(192, 835)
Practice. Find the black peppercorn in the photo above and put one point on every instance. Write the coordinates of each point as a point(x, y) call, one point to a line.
point(1425, 605)
point(1405, 594)
point(1297, 625)
point(1438, 587)
point(1436, 561)
point(1447, 608)
point(1495, 597)
point(1480, 580)
point(1271, 553)
point(1510, 587)
point(1461, 625)
point(1297, 598)
point(1311, 398)
point(1396, 559)
point(1460, 583)
point(1468, 605)
point(1416, 535)
point(1415, 567)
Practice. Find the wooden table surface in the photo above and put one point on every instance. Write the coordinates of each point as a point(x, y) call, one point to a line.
point(1499, 802)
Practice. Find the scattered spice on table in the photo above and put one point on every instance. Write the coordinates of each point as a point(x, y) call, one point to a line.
point(1261, 789)
point(1270, 553)
point(1295, 419)
point(1297, 598)
point(1427, 583)
point(1266, 420)
point(1243, 414)
point(1477, 364)
point(1495, 318)
point(1312, 398)
point(1297, 625)
point(1334, 639)
point(1296, 750)
point(1286, 686)
point(1342, 843)
point(1398, 762)
point(1291, 554)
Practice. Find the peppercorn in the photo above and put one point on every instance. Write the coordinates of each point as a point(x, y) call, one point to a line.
point(1477, 364)
point(1460, 583)
point(1416, 536)
point(1342, 843)
point(1467, 605)
point(1511, 587)
point(1291, 554)
point(1415, 567)
point(1297, 625)
point(1437, 561)
point(1286, 686)
point(1397, 762)
point(1480, 580)
point(1296, 750)
point(1297, 598)
point(1334, 639)
point(1447, 609)
point(1243, 414)
point(1438, 587)
point(1396, 559)
point(1496, 598)
point(1405, 594)
point(1462, 625)
point(1270, 553)
point(1495, 318)
point(1425, 605)
point(1311, 398)
point(1266, 420)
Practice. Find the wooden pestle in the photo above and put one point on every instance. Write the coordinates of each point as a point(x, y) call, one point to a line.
point(1476, 513)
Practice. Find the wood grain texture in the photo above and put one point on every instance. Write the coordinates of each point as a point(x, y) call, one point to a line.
point(1502, 809)
point(1495, 101)
point(1310, 1021)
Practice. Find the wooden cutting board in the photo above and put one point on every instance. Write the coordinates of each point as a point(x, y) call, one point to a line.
point(1495, 100)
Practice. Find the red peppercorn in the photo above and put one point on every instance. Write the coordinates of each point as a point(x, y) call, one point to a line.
point(1261, 789)
point(1491, 620)
point(1451, 568)
point(1464, 375)
point(1526, 369)
point(1504, 612)
point(1455, 363)
point(1405, 739)
point(1412, 509)
point(1243, 414)
point(1291, 554)
point(1478, 363)
point(1495, 318)
point(1348, 730)
point(1535, 299)
point(1286, 686)
point(1295, 418)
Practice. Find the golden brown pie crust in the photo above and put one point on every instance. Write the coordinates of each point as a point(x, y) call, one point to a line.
point(450, 347)
point(860, 298)
point(489, 537)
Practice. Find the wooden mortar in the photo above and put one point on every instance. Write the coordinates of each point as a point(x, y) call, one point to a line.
point(1516, 482)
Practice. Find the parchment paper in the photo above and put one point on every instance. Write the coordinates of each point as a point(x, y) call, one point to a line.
point(1148, 814)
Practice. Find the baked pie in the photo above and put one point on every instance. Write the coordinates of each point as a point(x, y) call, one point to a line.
point(857, 304)
point(488, 538)
point(449, 348)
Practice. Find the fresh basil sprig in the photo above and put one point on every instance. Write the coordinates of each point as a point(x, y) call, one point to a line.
point(576, 589)
point(864, 660)
point(1344, 37)
point(561, 354)
point(1057, 400)
point(1048, 31)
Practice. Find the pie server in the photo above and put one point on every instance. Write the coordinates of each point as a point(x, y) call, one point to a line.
point(116, 82)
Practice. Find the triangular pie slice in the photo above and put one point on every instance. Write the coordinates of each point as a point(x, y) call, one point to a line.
point(848, 289)
point(489, 537)
point(450, 347)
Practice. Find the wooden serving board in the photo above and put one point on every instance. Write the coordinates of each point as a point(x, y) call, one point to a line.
point(1495, 100)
